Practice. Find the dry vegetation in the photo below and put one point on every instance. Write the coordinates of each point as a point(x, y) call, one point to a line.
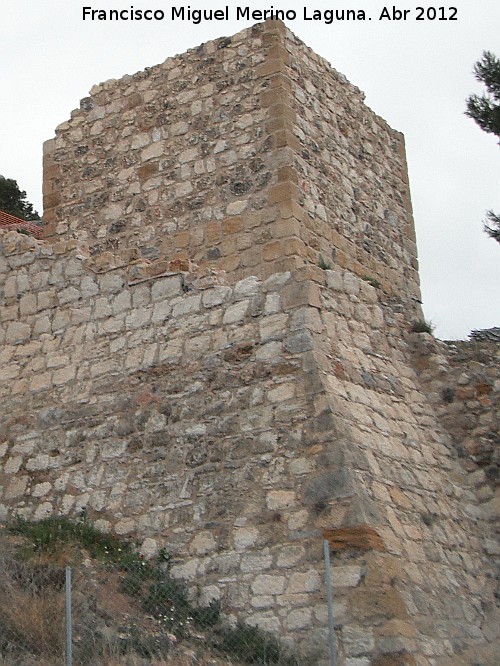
point(125, 612)
point(32, 621)
point(32, 611)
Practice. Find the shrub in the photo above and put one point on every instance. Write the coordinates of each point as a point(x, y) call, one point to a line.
point(34, 616)
point(371, 280)
point(422, 326)
point(31, 604)
point(323, 263)
point(51, 534)
point(251, 645)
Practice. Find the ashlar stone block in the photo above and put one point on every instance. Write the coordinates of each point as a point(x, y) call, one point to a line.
point(188, 305)
point(280, 499)
point(138, 318)
point(300, 583)
point(17, 332)
point(247, 287)
point(346, 576)
point(215, 296)
point(266, 584)
point(236, 312)
point(166, 287)
point(299, 619)
point(16, 488)
point(282, 392)
point(245, 537)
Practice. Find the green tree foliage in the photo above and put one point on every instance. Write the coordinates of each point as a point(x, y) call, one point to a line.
point(485, 110)
point(492, 225)
point(13, 200)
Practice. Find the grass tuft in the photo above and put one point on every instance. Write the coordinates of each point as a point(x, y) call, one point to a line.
point(422, 326)
point(32, 623)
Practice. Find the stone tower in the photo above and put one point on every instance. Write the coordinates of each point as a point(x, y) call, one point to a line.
point(247, 154)
point(209, 352)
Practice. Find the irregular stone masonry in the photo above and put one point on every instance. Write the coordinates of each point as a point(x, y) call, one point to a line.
point(237, 419)
point(462, 383)
point(247, 151)
point(233, 424)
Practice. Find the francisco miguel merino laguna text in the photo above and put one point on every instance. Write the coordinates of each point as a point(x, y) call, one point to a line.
point(328, 16)
point(182, 13)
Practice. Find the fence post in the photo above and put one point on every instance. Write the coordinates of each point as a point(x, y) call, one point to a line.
point(69, 640)
point(329, 596)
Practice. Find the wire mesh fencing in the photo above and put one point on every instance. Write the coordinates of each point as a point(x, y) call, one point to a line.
point(31, 613)
point(128, 612)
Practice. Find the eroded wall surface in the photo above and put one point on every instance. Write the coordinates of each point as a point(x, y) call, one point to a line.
point(162, 165)
point(352, 176)
point(233, 424)
point(210, 353)
point(462, 383)
point(249, 151)
point(172, 409)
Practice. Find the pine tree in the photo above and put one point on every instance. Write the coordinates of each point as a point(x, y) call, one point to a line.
point(13, 200)
point(492, 225)
point(485, 110)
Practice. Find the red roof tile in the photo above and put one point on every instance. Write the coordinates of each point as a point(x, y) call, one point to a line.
point(10, 221)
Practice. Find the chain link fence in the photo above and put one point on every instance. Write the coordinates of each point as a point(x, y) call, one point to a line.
point(32, 618)
point(118, 610)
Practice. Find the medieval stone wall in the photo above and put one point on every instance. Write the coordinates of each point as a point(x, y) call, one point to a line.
point(247, 151)
point(462, 382)
point(233, 425)
point(408, 483)
point(171, 410)
point(177, 364)
point(162, 165)
point(352, 177)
